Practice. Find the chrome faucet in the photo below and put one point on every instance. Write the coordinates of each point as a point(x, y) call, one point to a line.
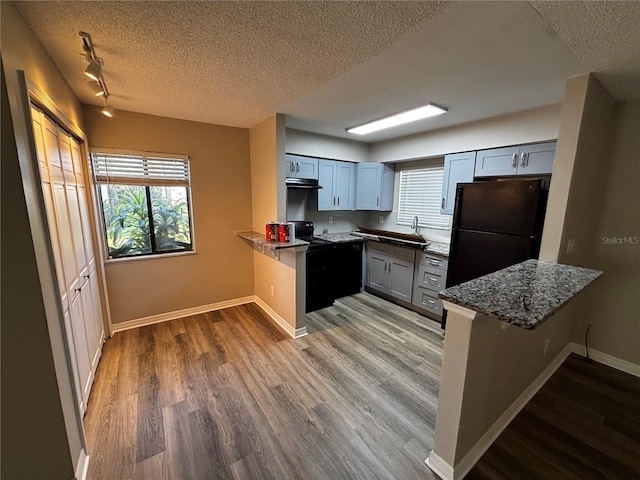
point(414, 225)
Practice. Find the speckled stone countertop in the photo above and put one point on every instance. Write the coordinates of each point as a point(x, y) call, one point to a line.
point(525, 294)
point(259, 239)
point(437, 248)
point(342, 237)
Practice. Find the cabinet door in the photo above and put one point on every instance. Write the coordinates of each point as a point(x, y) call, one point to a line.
point(301, 167)
point(458, 168)
point(537, 159)
point(368, 186)
point(307, 168)
point(377, 264)
point(497, 162)
point(326, 179)
point(345, 185)
point(401, 278)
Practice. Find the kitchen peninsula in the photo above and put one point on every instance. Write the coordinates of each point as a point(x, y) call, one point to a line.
point(491, 370)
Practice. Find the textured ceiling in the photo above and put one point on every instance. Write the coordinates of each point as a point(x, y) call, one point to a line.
point(230, 63)
point(332, 65)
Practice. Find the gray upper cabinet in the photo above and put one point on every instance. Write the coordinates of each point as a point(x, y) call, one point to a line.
point(374, 189)
point(458, 168)
point(536, 159)
point(338, 182)
point(301, 167)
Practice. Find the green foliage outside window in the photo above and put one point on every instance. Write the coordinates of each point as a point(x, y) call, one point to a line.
point(128, 224)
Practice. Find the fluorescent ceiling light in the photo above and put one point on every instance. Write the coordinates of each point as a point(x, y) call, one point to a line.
point(401, 118)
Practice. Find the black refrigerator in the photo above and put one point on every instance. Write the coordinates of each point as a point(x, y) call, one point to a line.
point(496, 224)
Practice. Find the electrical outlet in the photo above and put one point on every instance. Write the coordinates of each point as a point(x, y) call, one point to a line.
point(330, 218)
point(381, 219)
point(546, 347)
point(273, 291)
point(571, 244)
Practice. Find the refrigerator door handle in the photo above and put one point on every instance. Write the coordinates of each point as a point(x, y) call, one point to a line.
point(514, 160)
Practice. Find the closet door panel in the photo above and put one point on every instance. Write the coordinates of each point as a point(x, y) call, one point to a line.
point(82, 350)
point(66, 238)
point(76, 230)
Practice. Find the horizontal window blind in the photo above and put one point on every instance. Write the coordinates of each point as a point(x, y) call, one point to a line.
point(420, 194)
point(140, 170)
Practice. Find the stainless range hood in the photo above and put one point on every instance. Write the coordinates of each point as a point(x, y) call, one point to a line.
point(303, 183)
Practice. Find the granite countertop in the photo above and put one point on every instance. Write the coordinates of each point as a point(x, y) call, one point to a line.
point(259, 239)
point(525, 294)
point(342, 237)
point(437, 248)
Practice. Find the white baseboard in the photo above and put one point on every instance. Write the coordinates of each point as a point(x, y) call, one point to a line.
point(482, 445)
point(608, 360)
point(281, 322)
point(439, 466)
point(165, 317)
point(83, 465)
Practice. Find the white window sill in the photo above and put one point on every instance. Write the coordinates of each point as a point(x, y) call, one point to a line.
point(157, 256)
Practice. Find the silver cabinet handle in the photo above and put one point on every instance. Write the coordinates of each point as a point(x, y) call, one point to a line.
point(523, 159)
point(433, 280)
point(514, 160)
point(338, 201)
point(431, 302)
point(377, 201)
point(442, 202)
point(333, 201)
point(434, 262)
point(297, 166)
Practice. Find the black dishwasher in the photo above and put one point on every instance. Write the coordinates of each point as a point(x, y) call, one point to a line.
point(347, 268)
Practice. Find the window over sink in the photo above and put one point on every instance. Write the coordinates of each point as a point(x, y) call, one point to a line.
point(420, 195)
point(145, 202)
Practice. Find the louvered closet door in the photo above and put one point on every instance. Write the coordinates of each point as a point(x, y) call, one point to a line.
point(68, 219)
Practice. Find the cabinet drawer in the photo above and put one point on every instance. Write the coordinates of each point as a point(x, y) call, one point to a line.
point(427, 300)
point(431, 278)
point(433, 261)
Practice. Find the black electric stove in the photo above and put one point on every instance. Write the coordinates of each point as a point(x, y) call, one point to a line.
point(333, 269)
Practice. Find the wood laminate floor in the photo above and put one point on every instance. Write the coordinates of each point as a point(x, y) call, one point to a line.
point(226, 395)
point(584, 423)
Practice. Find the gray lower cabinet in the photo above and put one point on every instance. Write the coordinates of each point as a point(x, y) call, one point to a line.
point(390, 269)
point(430, 278)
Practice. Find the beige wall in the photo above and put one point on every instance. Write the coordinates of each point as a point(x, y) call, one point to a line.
point(41, 432)
point(536, 125)
point(222, 269)
point(613, 307)
point(286, 272)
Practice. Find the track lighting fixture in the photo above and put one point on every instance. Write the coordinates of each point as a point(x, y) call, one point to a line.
point(94, 72)
point(108, 109)
point(96, 88)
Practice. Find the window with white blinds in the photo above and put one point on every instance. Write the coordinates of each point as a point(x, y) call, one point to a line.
point(420, 195)
point(140, 170)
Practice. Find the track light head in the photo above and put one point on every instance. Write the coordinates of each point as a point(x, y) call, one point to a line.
point(93, 70)
point(108, 111)
point(97, 89)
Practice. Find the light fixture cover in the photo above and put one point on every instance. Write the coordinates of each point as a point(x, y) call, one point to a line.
point(96, 88)
point(108, 111)
point(401, 118)
point(93, 70)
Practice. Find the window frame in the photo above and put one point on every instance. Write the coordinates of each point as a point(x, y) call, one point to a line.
point(446, 224)
point(100, 209)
